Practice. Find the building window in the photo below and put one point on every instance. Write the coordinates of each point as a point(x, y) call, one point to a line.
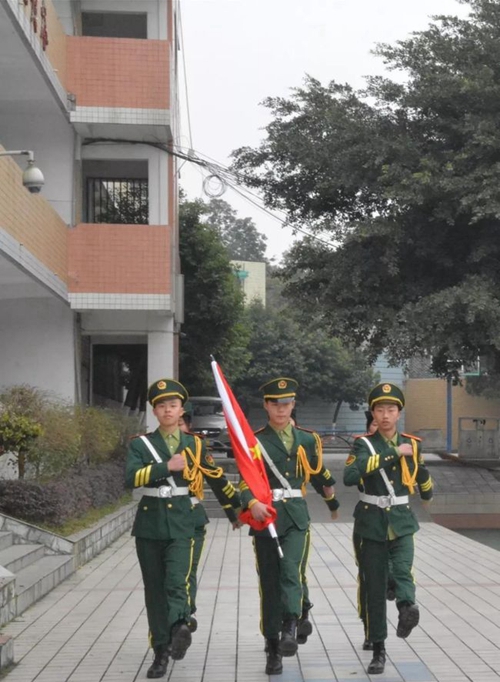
point(116, 191)
point(115, 24)
point(118, 201)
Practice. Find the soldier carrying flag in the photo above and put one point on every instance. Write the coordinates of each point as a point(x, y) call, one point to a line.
point(286, 457)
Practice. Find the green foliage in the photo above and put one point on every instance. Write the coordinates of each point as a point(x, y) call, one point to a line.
point(213, 304)
point(69, 496)
point(239, 235)
point(402, 179)
point(17, 432)
point(63, 436)
point(324, 367)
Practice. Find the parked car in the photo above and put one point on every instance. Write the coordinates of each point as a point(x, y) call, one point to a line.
point(207, 415)
point(208, 420)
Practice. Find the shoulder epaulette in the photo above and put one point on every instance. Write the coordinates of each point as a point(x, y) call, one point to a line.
point(409, 435)
point(138, 435)
point(259, 430)
point(362, 435)
point(301, 428)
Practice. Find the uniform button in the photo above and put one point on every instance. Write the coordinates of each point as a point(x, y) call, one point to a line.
point(394, 468)
point(287, 474)
point(169, 505)
point(284, 501)
point(145, 508)
point(407, 506)
point(288, 459)
point(366, 506)
point(391, 482)
point(387, 509)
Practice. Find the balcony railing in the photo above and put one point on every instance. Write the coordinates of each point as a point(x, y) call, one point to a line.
point(117, 201)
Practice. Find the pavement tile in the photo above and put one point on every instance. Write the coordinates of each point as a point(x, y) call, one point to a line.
point(93, 627)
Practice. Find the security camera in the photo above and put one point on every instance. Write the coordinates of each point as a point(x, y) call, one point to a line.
point(33, 178)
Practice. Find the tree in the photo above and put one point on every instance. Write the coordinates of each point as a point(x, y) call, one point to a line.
point(239, 235)
point(324, 367)
point(213, 304)
point(402, 178)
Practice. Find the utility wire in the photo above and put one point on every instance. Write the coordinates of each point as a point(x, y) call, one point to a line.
point(215, 168)
point(185, 78)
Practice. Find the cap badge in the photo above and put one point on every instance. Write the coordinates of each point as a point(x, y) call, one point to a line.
point(282, 384)
point(161, 385)
point(386, 388)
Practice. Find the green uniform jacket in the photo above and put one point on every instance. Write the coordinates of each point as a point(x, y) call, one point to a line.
point(292, 512)
point(363, 469)
point(173, 517)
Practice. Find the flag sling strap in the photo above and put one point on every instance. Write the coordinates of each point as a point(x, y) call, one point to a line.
point(388, 484)
point(153, 451)
point(286, 485)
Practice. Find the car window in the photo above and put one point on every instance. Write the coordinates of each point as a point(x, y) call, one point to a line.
point(207, 409)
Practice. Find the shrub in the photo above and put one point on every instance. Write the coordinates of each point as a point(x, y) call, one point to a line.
point(68, 497)
point(69, 436)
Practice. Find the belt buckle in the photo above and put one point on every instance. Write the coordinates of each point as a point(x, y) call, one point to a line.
point(384, 501)
point(278, 494)
point(165, 491)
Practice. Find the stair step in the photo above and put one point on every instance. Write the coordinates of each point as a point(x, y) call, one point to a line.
point(6, 539)
point(17, 557)
point(36, 580)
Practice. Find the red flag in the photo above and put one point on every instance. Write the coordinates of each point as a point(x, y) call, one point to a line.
point(246, 453)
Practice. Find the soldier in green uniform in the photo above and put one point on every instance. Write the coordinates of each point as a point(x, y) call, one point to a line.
point(168, 467)
point(231, 509)
point(292, 457)
point(388, 465)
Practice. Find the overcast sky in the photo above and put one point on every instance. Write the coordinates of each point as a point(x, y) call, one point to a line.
point(238, 52)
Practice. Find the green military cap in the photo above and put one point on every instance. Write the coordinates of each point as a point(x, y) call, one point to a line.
point(387, 393)
point(188, 408)
point(166, 388)
point(282, 390)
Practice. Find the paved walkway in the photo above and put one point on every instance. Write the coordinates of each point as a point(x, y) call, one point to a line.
point(92, 628)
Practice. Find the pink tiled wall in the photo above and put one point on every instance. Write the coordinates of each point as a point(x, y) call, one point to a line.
point(118, 72)
point(119, 259)
point(31, 220)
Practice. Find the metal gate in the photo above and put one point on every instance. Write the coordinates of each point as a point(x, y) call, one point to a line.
point(478, 437)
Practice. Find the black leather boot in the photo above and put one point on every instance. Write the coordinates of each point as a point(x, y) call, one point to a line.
point(288, 642)
point(409, 615)
point(181, 641)
point(377, 664)
point(159, 666)
point(274, 666)
point(304, 625)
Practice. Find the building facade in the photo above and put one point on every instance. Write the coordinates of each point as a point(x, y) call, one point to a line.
point(90, 283)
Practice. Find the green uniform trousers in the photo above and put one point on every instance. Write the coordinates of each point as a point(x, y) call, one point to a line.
point(165, 567)
point(373, 559)
point(280, 579)
point(199, 542)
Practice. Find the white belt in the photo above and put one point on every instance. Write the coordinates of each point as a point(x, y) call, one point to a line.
point(164, 491)
point(195, 500)
point(383, 501)
point(283, 493)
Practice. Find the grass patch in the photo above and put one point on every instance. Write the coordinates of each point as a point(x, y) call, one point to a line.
point(89, 519)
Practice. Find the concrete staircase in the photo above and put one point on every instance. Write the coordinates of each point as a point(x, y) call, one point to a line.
point(27, 572)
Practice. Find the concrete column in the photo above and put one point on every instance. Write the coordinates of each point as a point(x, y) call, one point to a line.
point(160, 358)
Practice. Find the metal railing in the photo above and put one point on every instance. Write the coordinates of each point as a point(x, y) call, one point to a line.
point(117, 200)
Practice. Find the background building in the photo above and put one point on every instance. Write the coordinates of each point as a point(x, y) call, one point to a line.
point(90, 287)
